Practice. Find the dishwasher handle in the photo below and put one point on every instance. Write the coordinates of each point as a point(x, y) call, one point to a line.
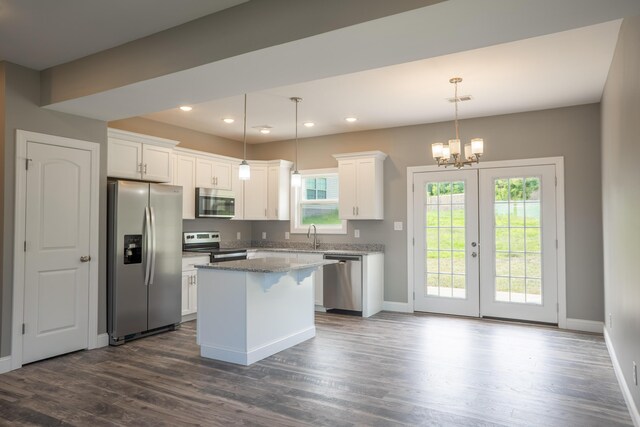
point(343, 258)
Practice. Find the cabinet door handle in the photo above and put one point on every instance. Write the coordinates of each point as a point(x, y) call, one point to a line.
point(354, 211)
point(193, 281)
point(265, 212)
point(145, 168)
point(357, 210)
point(139, 168)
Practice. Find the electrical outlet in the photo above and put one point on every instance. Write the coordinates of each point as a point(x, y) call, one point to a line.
point(264, 235)
point(356, 234)
point(397, 226)
point(635, 373)
point(610, 320)
point(286, 235)
point(239, 236)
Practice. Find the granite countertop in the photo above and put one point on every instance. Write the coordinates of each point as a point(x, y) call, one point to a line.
point(318, 251)
point(266, 265)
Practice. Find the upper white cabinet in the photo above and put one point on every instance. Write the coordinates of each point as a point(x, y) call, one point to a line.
point(266, 194)
point(135, 156)
point(185, 176)
point(237, 186)
point(213, 173)
point(255, 193)
point(361, 193)
point(278, 196)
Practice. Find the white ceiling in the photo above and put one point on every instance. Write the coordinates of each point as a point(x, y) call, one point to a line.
point(556, 70)
point(42, 33)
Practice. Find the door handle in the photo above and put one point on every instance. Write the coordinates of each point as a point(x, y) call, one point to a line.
point(147, 245)
point(85, 258)
point(474, 254)
point(354, 211)
point(153, 245)
point(357, 210)
point(145, 168)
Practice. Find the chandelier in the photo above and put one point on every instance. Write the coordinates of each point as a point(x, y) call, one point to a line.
point(450, 154)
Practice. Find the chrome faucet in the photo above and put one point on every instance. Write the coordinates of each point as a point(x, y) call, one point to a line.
point(315, 236)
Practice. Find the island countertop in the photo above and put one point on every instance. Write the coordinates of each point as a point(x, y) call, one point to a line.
point(266, 265)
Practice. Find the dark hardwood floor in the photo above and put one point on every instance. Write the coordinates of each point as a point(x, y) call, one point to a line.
point(392, 369)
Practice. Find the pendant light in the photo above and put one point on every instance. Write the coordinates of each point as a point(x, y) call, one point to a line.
point(296, 178)
point(451, 154)
point(244, 171)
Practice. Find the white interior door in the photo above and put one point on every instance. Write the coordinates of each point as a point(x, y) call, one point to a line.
point(445, 242)
point(57, 225)
point(518, 236)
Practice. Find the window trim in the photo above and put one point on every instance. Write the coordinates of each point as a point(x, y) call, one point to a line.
point(295, 205)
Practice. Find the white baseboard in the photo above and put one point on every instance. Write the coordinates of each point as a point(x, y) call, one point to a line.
point(584, 325)
point(633, 409)
point(400, 307)
point(103, 340)
point(247, 358)
point(189, 317)
point(5, 364)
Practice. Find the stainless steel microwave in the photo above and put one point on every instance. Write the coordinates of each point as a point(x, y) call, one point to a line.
point(215, 203)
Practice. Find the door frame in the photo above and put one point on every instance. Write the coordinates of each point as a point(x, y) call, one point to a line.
point(22, 138)
point(558, 162)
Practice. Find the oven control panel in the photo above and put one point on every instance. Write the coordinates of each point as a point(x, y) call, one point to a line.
point(200, 237)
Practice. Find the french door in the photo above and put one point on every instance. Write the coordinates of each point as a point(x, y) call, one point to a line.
point(485, 243)
point(446, 242)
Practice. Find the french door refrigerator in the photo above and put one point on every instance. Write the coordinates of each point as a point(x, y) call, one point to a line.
point(144, 258)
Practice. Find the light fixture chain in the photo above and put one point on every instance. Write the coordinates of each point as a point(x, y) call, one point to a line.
point(245, 127)
point(456, 102)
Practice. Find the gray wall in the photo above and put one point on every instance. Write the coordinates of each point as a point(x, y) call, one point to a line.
point(621, 199)
point(188, 138)
point(572, 132)
point(22, 111)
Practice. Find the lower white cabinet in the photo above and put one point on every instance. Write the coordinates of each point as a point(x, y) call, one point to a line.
point(190, 285)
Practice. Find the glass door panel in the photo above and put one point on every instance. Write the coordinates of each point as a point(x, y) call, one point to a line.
point(446, 263)
point(518, 232)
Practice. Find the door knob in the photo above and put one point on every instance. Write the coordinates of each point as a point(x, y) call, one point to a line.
point(473, 254)
point(85, 258)
point(474, 244)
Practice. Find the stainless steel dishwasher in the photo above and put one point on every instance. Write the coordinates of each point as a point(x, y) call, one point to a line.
point(342, 283)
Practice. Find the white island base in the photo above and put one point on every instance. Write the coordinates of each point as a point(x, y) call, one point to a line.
point(245, 316)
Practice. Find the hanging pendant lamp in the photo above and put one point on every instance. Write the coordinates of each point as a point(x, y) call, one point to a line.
point(450, 154)
point(244, 171)
point(296, 178)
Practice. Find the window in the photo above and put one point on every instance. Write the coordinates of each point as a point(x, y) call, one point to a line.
point(316, 202)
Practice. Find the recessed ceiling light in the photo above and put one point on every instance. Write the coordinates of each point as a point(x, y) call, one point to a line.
point(186, 108)
point(309, 124)
point(228, 120)
point(265, 131)
point(350, 119)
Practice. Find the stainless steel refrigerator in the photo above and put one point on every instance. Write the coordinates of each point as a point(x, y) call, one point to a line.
point(144, 259)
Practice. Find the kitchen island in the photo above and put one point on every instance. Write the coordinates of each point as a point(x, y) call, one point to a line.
point(251, 309)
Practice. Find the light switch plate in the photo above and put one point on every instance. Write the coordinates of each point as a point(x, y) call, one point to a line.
point(397, 226)
point(286, 235)
point(238, 235)
point(264, 235)
point(356, 234)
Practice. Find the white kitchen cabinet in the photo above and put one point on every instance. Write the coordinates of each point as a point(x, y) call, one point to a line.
point(213, 173)
point(255, 193)
point(361, 181)
point(189, 292)
point(190, 285)
point(237, 186)
point(279, 189)
point(136, 156)
point(185, 176)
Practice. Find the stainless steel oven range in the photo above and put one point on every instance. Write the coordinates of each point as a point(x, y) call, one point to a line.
point(209, 242)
